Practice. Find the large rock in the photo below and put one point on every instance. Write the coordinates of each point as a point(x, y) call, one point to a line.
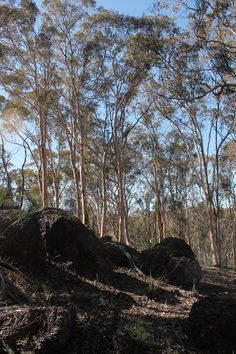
point(212, 324)
point(186, 272)
point(122, 255)
point(173, 261)
point(35, 329)
point(178, 247)
point(23, 243)
point(70, 240)
point(52, 234)
point(155, 261)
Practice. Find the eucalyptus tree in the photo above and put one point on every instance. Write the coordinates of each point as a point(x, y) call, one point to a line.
point(153, 165)
point(76, 62)
point(6, 177)
point(213, 25)
point(195, 78)
point(228, 185)
point(27, 72)
point(123, 77)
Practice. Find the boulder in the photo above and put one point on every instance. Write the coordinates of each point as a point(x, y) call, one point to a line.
point(178, 247)
point(155, 261)
point(186, 272)
point(116, 255)
point(173, 261)
point(52, 234)
point(122, 255)
point(44, 329)
point(23, 243)
point(69, 240)
point(106, 238)
point(212, 324)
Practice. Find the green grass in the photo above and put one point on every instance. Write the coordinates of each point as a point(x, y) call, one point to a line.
point(138, 331)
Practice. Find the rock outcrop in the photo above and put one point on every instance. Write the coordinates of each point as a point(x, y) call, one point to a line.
point(122, 255)
point(173, 261)
point(52, 234)
point(212, 324)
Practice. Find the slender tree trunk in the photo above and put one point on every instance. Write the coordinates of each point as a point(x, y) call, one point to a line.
point(5, 166)
point(159, 224)
point(40, 182)
point(84, 206)
point(234, 236)
point(234, 244)
point(23, 178)
point(75, 177)
point(104, 197)
point(43, 157)
point(77, 192)
point(187, 233)
point(159, 219)
point(212, 234)
point(55, 175)
point(123, 227)
point(186, 215)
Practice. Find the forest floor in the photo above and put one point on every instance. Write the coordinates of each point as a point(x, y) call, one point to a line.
point(129, 313)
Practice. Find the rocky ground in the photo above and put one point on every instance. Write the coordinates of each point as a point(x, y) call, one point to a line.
point(57, 310)
point(128, 314)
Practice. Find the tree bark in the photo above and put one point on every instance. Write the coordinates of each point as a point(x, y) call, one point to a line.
point(43, 157)
point(123, 227)
point(212, 235)
point(75, 177)
point(104, 196)
point(84, 206)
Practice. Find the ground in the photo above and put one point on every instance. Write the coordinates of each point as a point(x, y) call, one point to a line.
point(53, 309)
point(128, 313)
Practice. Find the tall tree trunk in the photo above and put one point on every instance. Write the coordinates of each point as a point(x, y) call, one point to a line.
point(234, 236)
point(212, 234)
point(76, 177)
point(104, 196)
point(43, 157)
point(5, 166)
point(55, 174)
point(22, 192)
point(234, 244)
point(187, 233)
point(77, 192)
point(84, 206)
point(123, 227)
point(159, 218)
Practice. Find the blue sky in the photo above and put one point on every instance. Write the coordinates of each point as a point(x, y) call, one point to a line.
point(129, 7)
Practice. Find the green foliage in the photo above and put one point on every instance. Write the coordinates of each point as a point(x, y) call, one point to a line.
point(33, 203)
point(5, 199)
point(151, 287)
point(7, 349)
point(138, 332)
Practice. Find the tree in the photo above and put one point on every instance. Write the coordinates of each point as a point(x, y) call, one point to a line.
point(76, 59)
point(27, 71)
point(123, 78)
